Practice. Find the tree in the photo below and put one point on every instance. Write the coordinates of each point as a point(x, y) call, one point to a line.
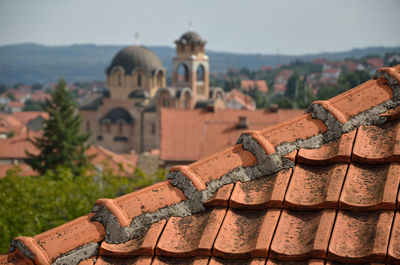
point(62, 143)
point(293, 85)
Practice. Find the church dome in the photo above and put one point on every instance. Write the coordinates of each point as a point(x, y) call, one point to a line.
point(190, 37)
point(133, 57)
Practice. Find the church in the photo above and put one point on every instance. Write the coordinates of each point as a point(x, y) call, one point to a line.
point(127, 116)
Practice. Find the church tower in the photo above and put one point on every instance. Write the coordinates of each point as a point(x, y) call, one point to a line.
point(191, 66)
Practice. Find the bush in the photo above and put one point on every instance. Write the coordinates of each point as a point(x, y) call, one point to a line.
point(31, 205)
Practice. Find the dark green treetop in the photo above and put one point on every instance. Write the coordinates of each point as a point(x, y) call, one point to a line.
point(62, 142)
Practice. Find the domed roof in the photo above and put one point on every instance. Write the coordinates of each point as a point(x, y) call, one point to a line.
point(190, 37)
point(132, 57)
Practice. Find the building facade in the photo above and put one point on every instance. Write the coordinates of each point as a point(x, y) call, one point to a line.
point(126, 116)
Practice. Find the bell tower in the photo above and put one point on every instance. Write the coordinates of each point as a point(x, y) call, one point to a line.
point(191, 66)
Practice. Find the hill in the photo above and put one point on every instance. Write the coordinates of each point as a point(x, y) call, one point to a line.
point(32, 63)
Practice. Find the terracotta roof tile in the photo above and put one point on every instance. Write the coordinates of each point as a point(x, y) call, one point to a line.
point(360, 237)
point(322, 188)
point(144, 245)
point(370, 187)
point(246, 234)
point(315, 187)
point(302, 235)
point(192, 235)
point(337, 151)
point(369, 147)
point(15, 258)
point(261, 193)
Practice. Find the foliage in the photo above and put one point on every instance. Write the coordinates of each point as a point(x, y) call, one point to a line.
point(37, 86)
point(3, 89)
point(62, 143)
point(293, 85)
point(31, 205)
point(285, 103)
point(31, 105)
point(10, 96)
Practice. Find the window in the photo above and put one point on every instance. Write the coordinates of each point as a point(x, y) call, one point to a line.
point(139, 80)
point(183, 73)
point(99, 137)
point(153, 128)
point(87, 126)
point(200, 73)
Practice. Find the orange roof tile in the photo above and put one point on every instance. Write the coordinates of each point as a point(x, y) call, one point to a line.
point(8, 123)
point(185, 133)
point(26, 116)
point(251, 84)
point(122, 165)
point(321, 188)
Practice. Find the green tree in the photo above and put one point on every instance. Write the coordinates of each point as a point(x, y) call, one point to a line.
point(293, 85)
point(62, 142)
point(31, 105)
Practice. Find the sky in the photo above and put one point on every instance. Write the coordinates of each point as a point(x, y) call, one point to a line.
point(253, 26)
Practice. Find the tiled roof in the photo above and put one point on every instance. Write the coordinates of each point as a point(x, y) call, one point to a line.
point(123, 165)
point(184, 131)
point(15, 147)
point(26, 116)
point(321, 188)
point(9, 123)
point(251, 84)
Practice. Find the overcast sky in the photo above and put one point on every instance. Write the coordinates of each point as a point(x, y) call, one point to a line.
point(293, 27)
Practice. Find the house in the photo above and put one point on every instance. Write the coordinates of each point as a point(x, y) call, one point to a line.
point(248, 85)
point(319, 189)
point(15, 106)
point(10, 125)
point(237, 100)
point(281, 80)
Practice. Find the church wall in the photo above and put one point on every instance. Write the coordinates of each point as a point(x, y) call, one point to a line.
point(151, 131)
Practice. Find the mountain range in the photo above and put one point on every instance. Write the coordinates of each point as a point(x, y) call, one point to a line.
point(33, 63)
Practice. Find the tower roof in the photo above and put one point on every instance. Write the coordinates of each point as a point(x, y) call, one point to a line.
point(190, 37)
point(134, 57)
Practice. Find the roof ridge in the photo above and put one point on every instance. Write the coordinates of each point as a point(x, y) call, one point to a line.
point(328, 121)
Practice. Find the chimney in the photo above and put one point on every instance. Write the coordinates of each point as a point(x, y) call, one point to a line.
point(273, 108)
point(243, 122)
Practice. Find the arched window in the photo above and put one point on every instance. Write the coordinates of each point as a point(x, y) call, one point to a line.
point(183, 73)
point(139, 80)
point(219, 95)
point(200, 73)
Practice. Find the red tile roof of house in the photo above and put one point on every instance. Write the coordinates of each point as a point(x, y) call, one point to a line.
point(184, 131)
point(122, 165)
point(245, 100)
point(8, 123)
point(321, 188)
point(26, 116)
point(23, 170)
point(251, 84)
point(16, 147)
point(16, 104)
